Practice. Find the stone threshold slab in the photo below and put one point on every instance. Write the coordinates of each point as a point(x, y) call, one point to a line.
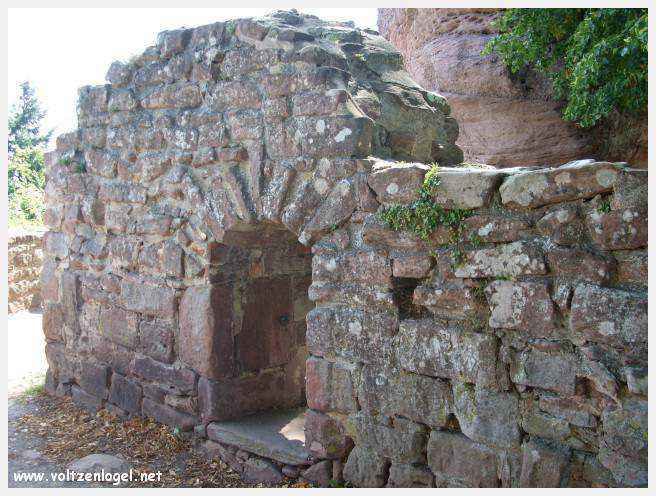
point(275, 434)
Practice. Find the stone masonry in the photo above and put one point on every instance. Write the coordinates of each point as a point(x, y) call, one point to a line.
point(25, 258)
point(215, 249)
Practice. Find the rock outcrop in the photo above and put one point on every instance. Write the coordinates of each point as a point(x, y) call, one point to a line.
point(504, 120)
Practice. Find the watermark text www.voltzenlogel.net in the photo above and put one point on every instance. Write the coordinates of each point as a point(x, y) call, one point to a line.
point(115, 478)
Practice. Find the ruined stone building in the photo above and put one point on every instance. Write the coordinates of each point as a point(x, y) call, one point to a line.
point(216, 251)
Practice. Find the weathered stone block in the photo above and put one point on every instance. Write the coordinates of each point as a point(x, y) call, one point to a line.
point(414, 266)
point(541, 424)
point(55, 244)
point(260, 471)
point(126, 393)
point(94, 379)
point(632, 267)
point(205, 342)
point(544, 464)
point(53, 321)
point(407, 475)
point(449, 300)
point(562, 224)
point(376, 233)
point(148, 299)
point(625, 428)
point(365, 468)
point(367, 267)
point(233, 95)
point(555, 372)
point(233, 397)
point(325, 437)
point(156, 340)
point(524, 306)
point(487, 416)
point(334, 210)
point(423, 399)
point(354, 334)
point(580, 264)
point(397, 182)
point(403, 440)
point(181, 379)
point(606, 315)
point(174, 41)
point(320, 473)
point(85, 400)
point(426, 347)
point(466, 188)
point(572, 410)
point(579, 179)
point(459, 460)
point(618, 229)
point(513, 259)
point(119, 326)
point(167, 415)
point(173, 96)
point(329, 386)
point(494, 228)
point(636, 379)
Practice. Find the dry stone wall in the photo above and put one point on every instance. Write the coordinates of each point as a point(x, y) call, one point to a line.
point(216, 237)
point(24, 266)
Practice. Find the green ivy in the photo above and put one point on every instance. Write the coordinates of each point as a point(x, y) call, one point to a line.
point(596, 58)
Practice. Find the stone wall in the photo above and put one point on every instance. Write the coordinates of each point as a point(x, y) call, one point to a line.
point(214, 222)
point(505, 120)
point(24, 267)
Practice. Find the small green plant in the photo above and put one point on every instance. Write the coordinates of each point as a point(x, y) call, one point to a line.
point(335, 484)
point(457, 256)
point(424, 216)
point(475, 240)
point(65, 161)
point(479, 291)
point(229, 28)
point(80, 168)
point(604, 207)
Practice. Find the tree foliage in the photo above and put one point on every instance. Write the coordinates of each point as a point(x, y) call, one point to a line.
point(25, 121)
point(596, 58)
point(26, 178)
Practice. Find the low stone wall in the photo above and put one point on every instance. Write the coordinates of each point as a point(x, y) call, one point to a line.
point(524, 360)
point(216, 221)
point(25, 258)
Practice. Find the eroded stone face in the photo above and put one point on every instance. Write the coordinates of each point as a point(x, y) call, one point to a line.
point(424, 347)
point(578, 179)
point(513, 259)
point(609, 316)
point(525, 307)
